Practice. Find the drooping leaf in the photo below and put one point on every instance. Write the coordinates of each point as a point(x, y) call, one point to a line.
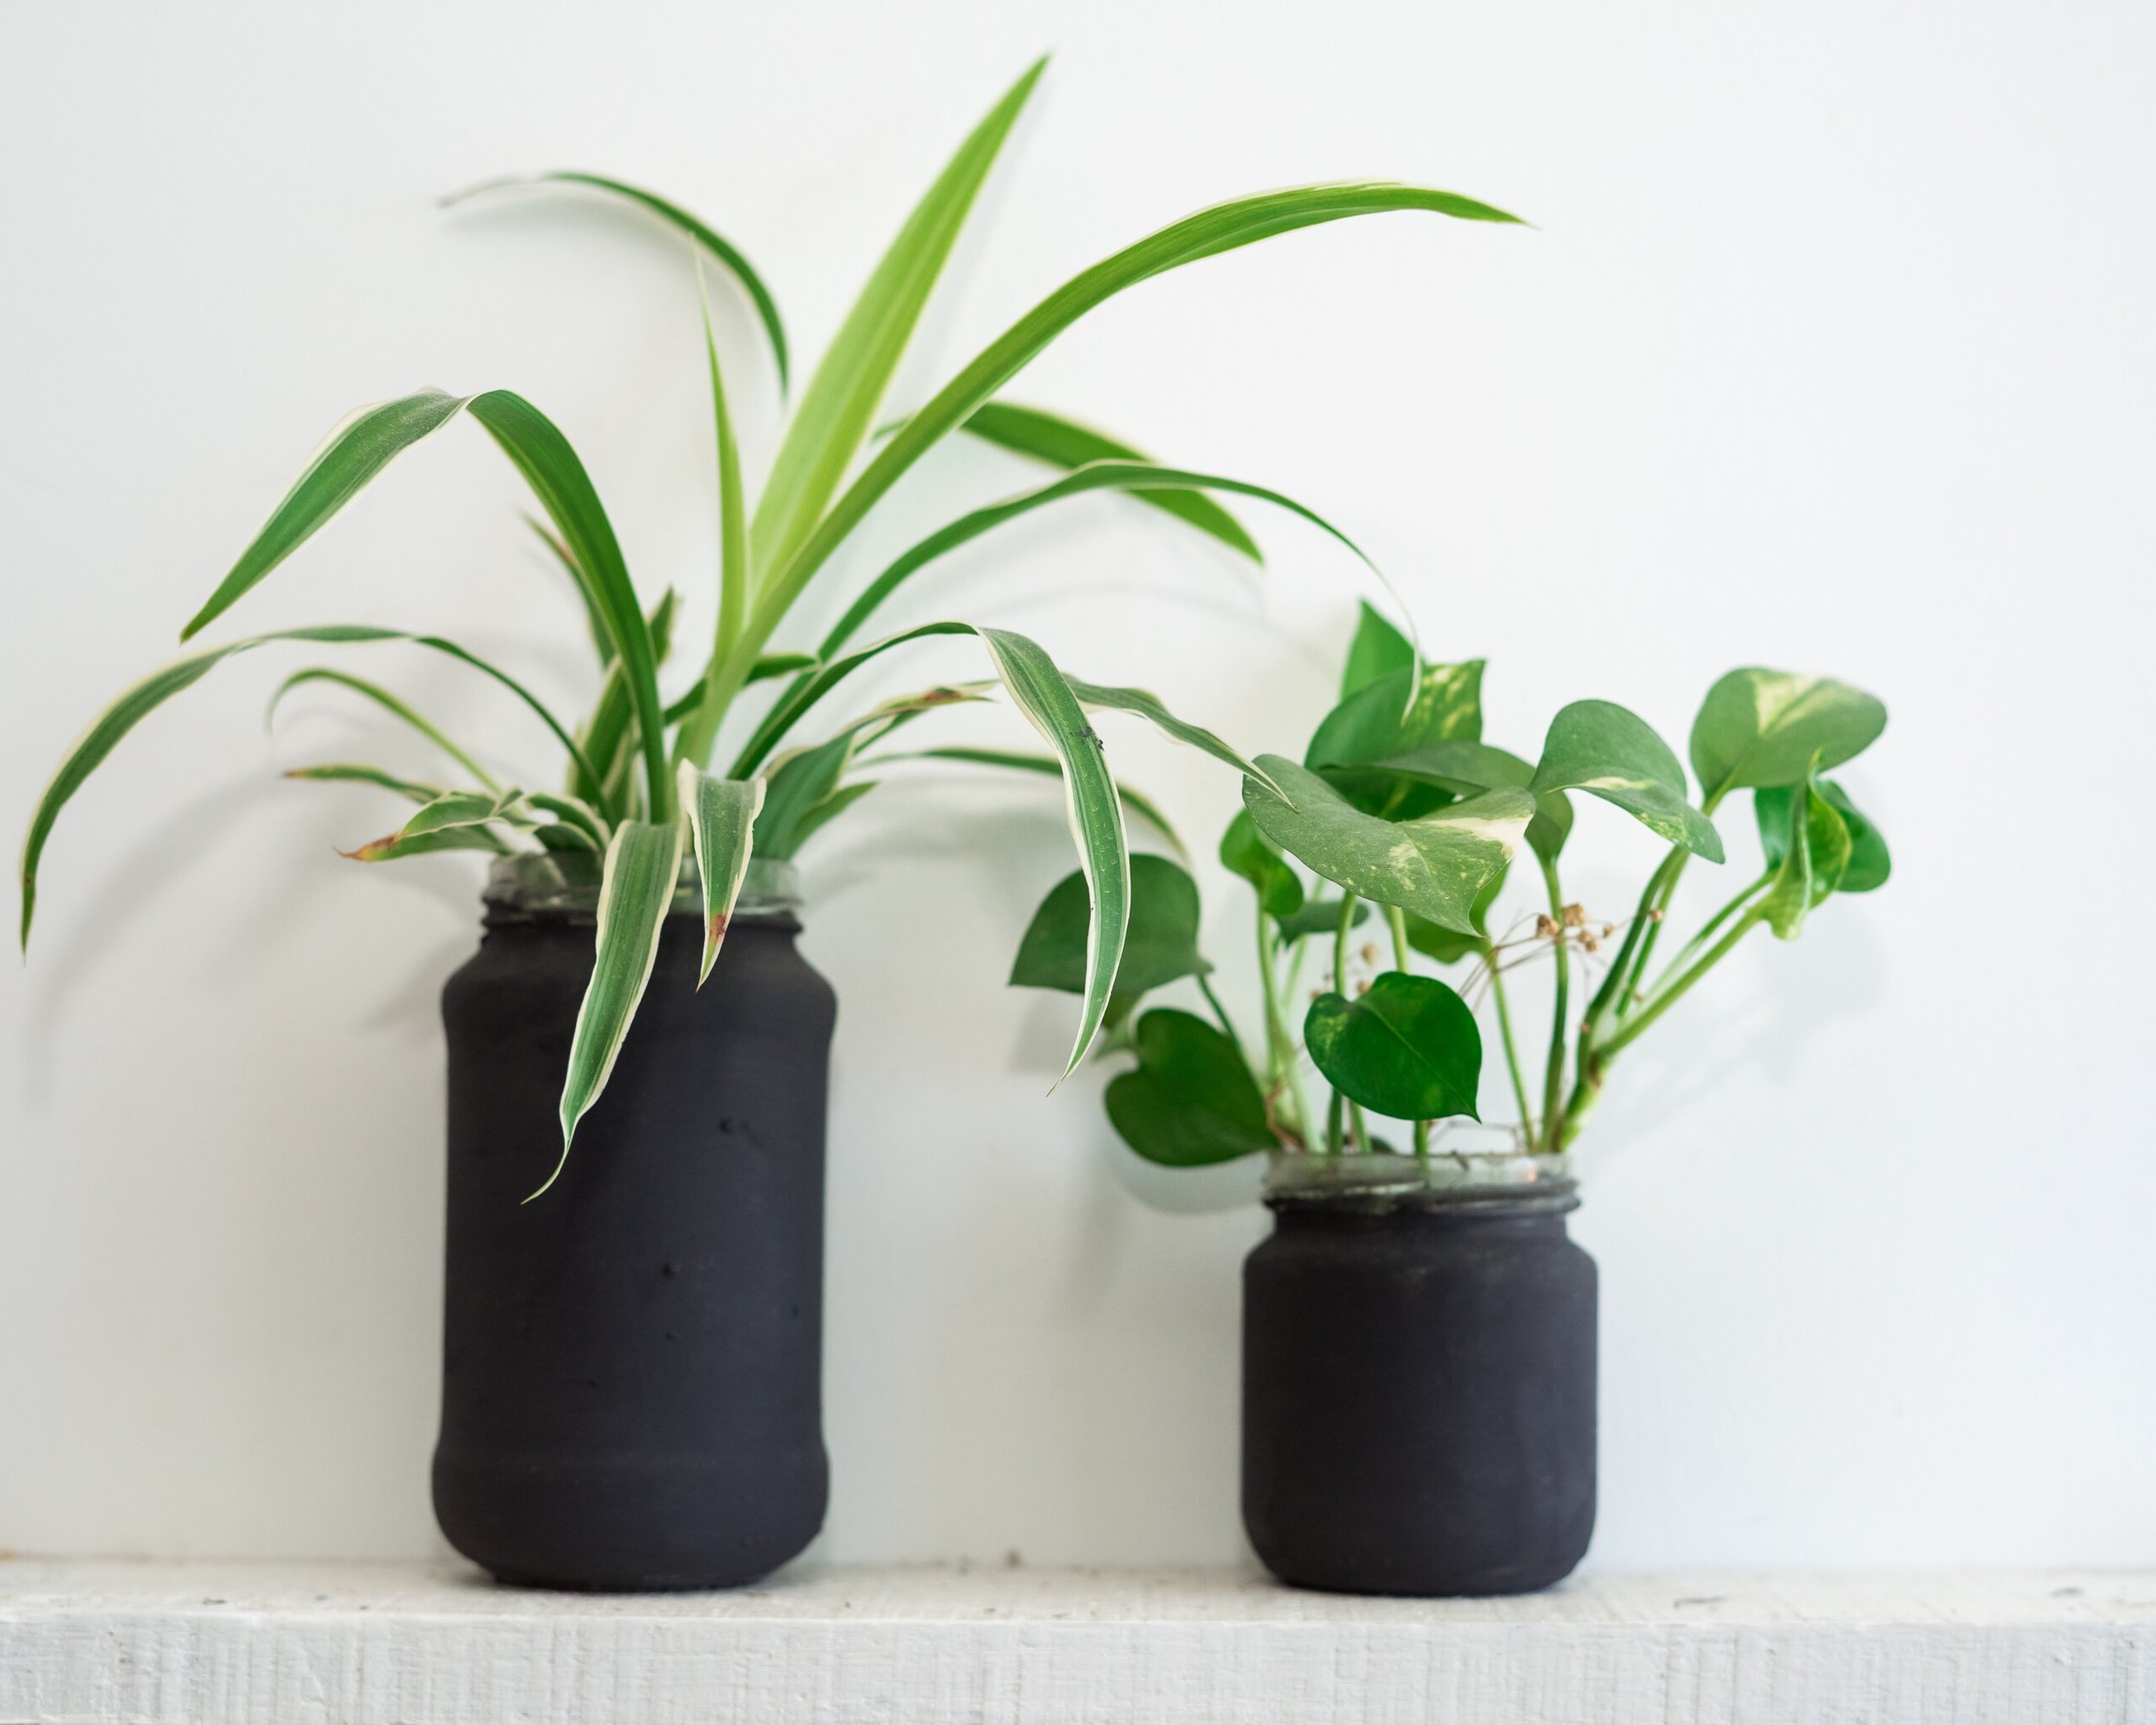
point(131, 708)
point(1762, 728)
point(1248, 852)
point(728, 255)
point(1436, 865)
point(1378, 650)
point(1050, 437)
point(1019, 761)
point(1465, 769)
point(610, 730)
point(398, 846)
point(537, 449)
point(1600, 747)
point(595, 623)
point(643, 863)
point(1040, 691)
point(394, 705)
point(1319, 917)
point(353, 772)
point(805, 692)
point(1161, 945)
point(460, 808)
point(1148, 706)
point(573, 814)
point(1815, 851)
point(821, 814)
point(721, 813)
point(1191, 1102)
point(354, 452)
point(1223, 228)
point(840, 403)
point(1870, 864)
point(368, 441)
point(1408, 1048)
point(1139, 478)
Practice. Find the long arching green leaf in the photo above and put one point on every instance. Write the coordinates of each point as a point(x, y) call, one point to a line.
point(840, 403)
point(1149, 707)
point(537, 449)
point(701, 729)
point(1038, 691)
point(368, 441)
point(771, 665)
point(807, 690)
point(136, 703)
point(394, 705)
point(398, 846)
point(601, 769)
point(643, 864)
point(1045, 436)
point(359, 448)
point(1222, 228)
point(720, 247)
point(722, 814)
point(1141, 477)
point(357, 773)
point(1019, 761)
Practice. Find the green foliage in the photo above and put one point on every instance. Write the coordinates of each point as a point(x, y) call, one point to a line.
point(1869, 863)
point(1399, 801)
point(1063, 442)
point(1600, 747)
point(636, 757)
point(1408, 1048)
point(1435, 865)
point(1766, 728)
point(1190, 1101)
point(1378, 650)
point(1161, 945)
point(1248, 852)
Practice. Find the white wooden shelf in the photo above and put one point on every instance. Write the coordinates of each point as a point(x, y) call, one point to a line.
point(416, 1644)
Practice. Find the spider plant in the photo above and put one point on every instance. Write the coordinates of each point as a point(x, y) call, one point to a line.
point(1418, 819)
point(641, 789)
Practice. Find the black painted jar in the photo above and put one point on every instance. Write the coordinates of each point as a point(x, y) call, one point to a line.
point(632, 1387)
point(1419, 1377)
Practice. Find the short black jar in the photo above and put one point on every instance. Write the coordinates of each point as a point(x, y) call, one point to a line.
point(631, 1393)
point(1418, 1360)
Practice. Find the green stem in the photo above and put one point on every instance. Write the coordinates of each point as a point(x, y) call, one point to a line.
point(1706, 933)
point(1398, 919)
point(1553, 1078)
point(1512, 1052)
point(1283, 1071)
point(1339, 987)
point(1628, 995)
point(1668, 997)
point(1220, 1012)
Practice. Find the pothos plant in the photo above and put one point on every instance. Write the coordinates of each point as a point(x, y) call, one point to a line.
point(1401, 810)
point(641, 788)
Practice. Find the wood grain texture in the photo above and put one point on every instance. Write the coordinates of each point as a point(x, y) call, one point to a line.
point(367, 1644)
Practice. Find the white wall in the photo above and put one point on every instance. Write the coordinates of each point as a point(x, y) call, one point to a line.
point(1831, 349)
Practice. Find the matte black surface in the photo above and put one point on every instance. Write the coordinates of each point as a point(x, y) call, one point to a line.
point(631, 1391)
point(1418, 1396)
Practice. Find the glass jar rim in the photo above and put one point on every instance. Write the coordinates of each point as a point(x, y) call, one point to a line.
point(1297, 1177)
point(568, 882)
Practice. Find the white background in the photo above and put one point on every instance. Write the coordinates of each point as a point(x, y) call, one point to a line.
point(1830, 350)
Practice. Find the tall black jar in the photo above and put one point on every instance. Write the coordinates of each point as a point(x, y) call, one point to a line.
point(1419, 1377)
point(631, 1393)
